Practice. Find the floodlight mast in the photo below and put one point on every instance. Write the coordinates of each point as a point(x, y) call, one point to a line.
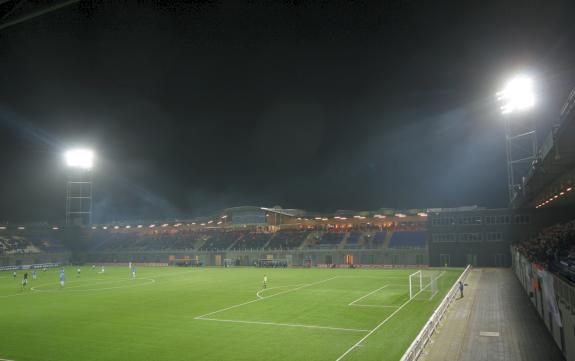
point(80, 163)
point(518, 96)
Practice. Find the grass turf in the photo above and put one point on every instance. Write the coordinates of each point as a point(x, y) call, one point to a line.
point(211, 314)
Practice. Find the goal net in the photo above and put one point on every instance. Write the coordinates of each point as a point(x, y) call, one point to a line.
point(423, 285)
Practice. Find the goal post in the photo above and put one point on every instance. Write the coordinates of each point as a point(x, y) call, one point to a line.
point(415, 283)
point(423, 284)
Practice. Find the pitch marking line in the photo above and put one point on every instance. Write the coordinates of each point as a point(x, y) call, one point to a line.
point(5, 359)
point(382, 323)
point(369, 294)
point(286, 325)
point(378, 306)
point(66, 290)
point(264, 298)
point(258, 294)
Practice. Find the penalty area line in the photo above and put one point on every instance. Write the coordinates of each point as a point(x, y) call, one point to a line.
point(284, 324)
point(263, 298)
point(369, 294)
point(258, 294)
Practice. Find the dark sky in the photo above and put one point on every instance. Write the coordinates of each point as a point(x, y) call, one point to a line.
point(192, 107)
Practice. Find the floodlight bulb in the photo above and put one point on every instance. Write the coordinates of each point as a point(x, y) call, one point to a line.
point(517, 95)
point(80, 158)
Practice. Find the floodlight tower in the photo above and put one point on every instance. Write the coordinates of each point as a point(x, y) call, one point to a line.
point(80, 163)
point(520, 131)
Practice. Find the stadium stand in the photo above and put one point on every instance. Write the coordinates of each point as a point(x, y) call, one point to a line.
point(553, 248)
point(222, 240)
point(378, 239)
point(253, 240)
point(288, 239)
point(331, 239)
point(353, 239)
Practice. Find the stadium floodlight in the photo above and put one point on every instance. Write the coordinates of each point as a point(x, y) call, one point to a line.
point(79, 158)
point(517, 95)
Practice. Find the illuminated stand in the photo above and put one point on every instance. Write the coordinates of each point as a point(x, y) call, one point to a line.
point(520, 132)
point(79, 192)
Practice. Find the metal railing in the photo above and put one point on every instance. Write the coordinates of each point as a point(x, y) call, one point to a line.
point(416, 347)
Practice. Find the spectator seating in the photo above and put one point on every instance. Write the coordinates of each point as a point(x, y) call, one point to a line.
point(378, 239)
point(331, 239)
point(353, 239)
point(288, 239)
point(253, 240)
point(553, 248)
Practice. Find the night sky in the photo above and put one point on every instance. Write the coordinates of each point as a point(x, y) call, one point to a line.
point(193, 107)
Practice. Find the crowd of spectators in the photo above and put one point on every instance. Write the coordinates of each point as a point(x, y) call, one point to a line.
point(25, 244)
point(554, 248)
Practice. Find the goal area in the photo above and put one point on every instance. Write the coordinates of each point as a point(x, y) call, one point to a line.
point(423, 284)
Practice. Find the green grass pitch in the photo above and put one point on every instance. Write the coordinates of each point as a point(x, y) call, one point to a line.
point(212, 314)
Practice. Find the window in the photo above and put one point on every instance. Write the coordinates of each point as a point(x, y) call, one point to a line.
point(443, 237)
point(522, 219)
point(493, 236)
point(469, 220)
point(469, 237)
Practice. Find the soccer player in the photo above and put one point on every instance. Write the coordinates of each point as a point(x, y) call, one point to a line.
point(78, 270)
point(265, 281)
point(25, 280)
point(62, 279)
point(34, 274)
point(14, 275)
point(133, 272)
point(93, 266)
point(103, 269)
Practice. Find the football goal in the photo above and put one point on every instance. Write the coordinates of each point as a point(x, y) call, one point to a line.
point(423, 284)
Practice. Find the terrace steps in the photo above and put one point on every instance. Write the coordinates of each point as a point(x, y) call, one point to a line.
point(231, 246)
point(343, 242)
point(309, 239)
point(270, 240)
point(388, 237)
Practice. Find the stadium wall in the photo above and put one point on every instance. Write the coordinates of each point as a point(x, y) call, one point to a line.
point(33, 258)
point(554, 299)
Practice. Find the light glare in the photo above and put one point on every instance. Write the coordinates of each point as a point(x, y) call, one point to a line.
point(80, 158)
point(517, 95)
